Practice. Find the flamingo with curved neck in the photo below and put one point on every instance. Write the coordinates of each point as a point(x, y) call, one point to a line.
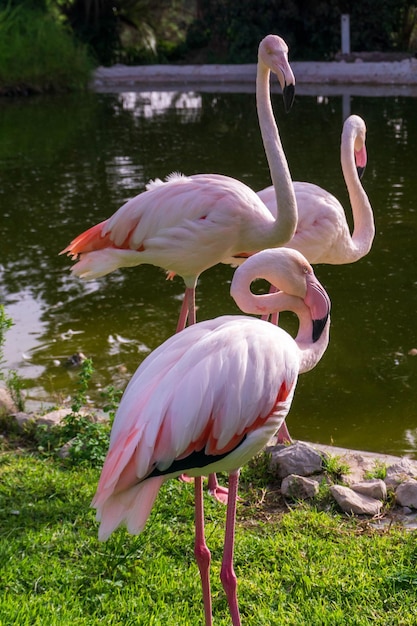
point(323, 234)
point(238, 375)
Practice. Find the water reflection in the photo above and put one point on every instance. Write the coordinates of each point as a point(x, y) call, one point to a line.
point(150, 103)
point(67, 163)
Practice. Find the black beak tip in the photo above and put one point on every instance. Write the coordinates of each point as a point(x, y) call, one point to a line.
point(361, 172)
point(288, 95)
point(318, 327)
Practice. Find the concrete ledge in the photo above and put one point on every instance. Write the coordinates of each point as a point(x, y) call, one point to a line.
point(335, 73)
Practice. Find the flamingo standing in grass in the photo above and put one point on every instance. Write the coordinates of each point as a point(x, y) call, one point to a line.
point(210, 398)
point(190, 223)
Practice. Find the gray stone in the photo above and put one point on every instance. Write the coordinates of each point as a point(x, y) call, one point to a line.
point(375, 488)
point(298, 458)
point(406, 493)
point(355, 503)
point(398, 473)
point(299, 487)
point(7, 406)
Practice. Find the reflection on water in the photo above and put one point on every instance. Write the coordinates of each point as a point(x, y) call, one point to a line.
point(68, 162)
point(151, 103)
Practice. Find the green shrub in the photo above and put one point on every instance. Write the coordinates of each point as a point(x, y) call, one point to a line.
point(37, 54)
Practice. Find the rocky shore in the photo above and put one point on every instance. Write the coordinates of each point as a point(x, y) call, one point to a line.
point(377, 487)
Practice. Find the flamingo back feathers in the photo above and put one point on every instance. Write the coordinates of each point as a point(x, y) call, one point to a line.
point(183, 225)
point(220, 388)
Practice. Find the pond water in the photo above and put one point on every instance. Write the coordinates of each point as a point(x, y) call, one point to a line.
point(68, 162)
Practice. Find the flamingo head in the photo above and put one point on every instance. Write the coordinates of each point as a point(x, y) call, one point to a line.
point(302, 283)
point(273, 53)
point(356, 128)
point(298, 289)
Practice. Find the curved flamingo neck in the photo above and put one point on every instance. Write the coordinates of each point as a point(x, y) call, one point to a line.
point(363, 219)
point(287, 216)
point(309, 352)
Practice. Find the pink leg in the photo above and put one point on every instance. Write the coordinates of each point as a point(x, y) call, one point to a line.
point(227, 574)
point(201, 551)
point(283, 436)
point(187, 313)
point(215, 490)
point(187, 310)
point(273, 318)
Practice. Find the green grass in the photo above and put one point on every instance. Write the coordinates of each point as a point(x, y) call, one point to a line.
point(301, 567)
point(37, 54)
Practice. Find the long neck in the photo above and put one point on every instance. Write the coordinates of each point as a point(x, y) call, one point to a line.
point(309, 352)
point(285, 224)
point(363, 218)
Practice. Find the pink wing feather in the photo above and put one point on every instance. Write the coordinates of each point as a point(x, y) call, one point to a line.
point(206, 388)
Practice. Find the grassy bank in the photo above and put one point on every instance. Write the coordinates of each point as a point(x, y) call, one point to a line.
point(300, 567)
point(37, 54)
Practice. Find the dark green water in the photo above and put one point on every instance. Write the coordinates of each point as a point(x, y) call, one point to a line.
point(69, 162)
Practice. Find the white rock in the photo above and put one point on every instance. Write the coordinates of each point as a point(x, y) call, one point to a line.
point(398, 473)
point(353, 502)
point(406, 493)
point(375, 488)
point(7, 406)
point(298, 458)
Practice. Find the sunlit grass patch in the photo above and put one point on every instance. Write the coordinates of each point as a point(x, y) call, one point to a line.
point(301, 567)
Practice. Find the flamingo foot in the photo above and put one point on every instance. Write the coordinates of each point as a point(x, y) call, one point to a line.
point(218, 492)
point(185, 479)
point(221, 494)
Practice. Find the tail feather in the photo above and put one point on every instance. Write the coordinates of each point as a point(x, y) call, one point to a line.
point(88, 241)
point(131, 507)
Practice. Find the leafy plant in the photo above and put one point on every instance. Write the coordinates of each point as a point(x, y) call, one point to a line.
point(378, 471)
point(6, 322)
point(38, 54)
point(334, 466)
point(85, 437)
point(13, 381)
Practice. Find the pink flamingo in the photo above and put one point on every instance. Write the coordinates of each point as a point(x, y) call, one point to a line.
point(188, 224)
point(323, 234)
point(210, 398)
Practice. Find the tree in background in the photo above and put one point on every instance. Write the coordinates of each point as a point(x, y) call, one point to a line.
point(37, 52)
point(228, 31)
point(129, 31)
point(204, 31)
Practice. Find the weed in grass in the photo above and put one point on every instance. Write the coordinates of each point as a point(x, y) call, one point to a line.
point(13, 381)
point(335, 467)
point(379, 470)
point(88, 438)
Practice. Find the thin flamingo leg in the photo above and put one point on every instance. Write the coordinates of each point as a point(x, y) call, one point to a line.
point(187, 312)
point(191, 306)
point(227, 574)
point(274, 317)
point(201, 551)
point(217, 491)
point(283, 436)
